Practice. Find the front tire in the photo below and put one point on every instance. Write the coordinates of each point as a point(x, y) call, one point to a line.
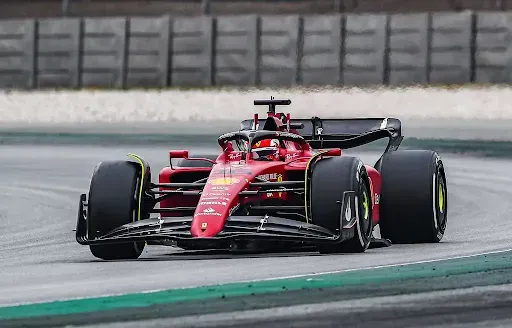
point(330, 179)
point(112, 202)
point(413, 202)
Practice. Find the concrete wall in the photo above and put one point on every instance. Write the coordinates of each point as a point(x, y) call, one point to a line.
point(364, 54)
point(246, 50)
point(58, 53)
point(322, 40)
point(148, 52)
point(17, 53)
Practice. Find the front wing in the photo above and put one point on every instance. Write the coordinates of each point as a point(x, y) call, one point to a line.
point(237, 228)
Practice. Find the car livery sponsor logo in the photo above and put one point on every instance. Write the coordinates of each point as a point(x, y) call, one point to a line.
point(235, 155)
point(227, 135)
point(384, 123)
point(358, 171)
point(278, 190)
point(233, 209)
point(224, 181)
point(371, 191)
point(270, 176)
point(348, 212)
point(438, 158)
point(215, 198)
point(216, 194)
point(204, 225)
point(289, 135)
point(292, 156)
point(232, 170)
point(220, 188)
point(213, 203)
point(208, 211)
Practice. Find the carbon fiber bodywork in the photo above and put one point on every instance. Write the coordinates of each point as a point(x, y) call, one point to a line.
point(236, 228)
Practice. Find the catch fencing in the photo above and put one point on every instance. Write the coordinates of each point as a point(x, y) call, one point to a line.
point(251, 50)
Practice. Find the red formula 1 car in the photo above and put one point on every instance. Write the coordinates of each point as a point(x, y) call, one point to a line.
point(278, 183)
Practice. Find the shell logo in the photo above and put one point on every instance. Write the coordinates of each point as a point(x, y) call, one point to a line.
point(280, 179)
point(224, 181)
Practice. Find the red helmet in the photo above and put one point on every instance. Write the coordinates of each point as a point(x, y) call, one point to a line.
point(267, 149)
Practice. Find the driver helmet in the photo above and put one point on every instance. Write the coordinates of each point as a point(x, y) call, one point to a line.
point(267, 149)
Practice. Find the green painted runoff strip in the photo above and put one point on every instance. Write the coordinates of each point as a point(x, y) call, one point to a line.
point(479, 263)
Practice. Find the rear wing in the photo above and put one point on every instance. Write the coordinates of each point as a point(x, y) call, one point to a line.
point(315, 127)
point(344, 133)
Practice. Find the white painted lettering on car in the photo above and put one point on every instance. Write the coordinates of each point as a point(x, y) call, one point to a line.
point(271, 176)
point(213, 203)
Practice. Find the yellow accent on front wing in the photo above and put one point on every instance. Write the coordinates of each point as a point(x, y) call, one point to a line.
point(141, 162)
point(306, 180)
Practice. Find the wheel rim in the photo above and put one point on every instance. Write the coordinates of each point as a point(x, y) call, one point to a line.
point(441, 202)
point(365, 210)
point(441, 198)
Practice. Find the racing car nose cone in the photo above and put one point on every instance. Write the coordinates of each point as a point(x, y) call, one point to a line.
point(208, 221)
point(219, 197)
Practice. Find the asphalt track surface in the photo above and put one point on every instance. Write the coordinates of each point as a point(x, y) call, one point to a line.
point(468, 307)
point(40, 260)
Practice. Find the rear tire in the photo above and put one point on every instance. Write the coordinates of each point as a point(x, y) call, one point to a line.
point(112, 202)
point(331, 177)
point(196, 163)
point(413, 201)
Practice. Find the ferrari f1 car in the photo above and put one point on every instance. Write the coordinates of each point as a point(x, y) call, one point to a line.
point(277, 182)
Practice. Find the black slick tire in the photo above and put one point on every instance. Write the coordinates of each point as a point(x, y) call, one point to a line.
point(196, 163)
point(112, 202)
point(330, 179)
point(413, 201)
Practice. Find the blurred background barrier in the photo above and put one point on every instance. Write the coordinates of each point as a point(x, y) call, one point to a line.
point(103, 8)
point(349, 48)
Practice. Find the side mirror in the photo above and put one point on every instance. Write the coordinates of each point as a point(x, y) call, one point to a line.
point(178, 154)
point(333, 152)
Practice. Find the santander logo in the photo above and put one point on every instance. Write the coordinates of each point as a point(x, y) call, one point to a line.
point(208, 211)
